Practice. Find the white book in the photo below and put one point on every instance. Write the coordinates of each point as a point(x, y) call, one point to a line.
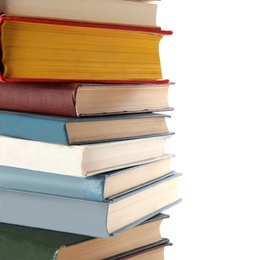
point(111, 11)
point(80, 160)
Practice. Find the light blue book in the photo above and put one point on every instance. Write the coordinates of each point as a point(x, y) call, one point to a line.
point(86, 217)
point(101, 187)
point(70, 130)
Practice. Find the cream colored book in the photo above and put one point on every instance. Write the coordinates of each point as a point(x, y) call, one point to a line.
point(139, 13)
point(80, 160)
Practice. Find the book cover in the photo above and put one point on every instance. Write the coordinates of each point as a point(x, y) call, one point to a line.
point(101, 187)
point(84, 99)
point(68, 130)
point(110, 11)
point(80, 160)
point(59, 50)
point(91, 218)
point(41, 244)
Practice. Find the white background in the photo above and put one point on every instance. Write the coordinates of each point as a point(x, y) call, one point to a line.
point(210, 56)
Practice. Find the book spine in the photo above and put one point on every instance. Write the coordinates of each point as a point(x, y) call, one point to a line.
point(62, 214)
point(45, 98)
point(41, 156)
point(91, 188)
point(12, 247)
point(31, 128)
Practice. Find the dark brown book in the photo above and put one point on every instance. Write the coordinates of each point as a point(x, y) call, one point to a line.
point(84, 99)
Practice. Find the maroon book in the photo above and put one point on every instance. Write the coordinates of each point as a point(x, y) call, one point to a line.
point(84, 99)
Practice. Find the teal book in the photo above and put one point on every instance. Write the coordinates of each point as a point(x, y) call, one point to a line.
point(41, 244)
point(85, 217)
point(71, 130)
point(101, 187)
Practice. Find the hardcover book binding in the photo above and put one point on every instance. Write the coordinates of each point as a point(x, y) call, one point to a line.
point(92, 218)
point(110, 11)
point(76, 99)
point(59, 50)
point(68, 131)
point(80, 160)
point(41, 244)
point(101, 187)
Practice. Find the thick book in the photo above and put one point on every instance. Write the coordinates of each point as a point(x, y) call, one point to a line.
point(68, 130)
point(36, 49)
point(101, 187)
point(85, 217)
point(110, 11)
point(41, 244)
point(84, 99)
point(80, 160)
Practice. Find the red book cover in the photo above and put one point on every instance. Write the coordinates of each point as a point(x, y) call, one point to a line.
point(60, 98)
point(45, 98)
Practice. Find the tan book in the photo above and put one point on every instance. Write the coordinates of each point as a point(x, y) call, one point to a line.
point(111, 11)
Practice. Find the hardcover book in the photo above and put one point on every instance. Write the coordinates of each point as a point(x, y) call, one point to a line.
point(80, 160)
point(85, 217)
point(68, 131)
point(110, 11)
point(36, 49)
point(101, 187)
point(150, 253)
point(41, 244)
point(76, 99)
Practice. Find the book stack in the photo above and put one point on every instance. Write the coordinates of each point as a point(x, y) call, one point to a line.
point(84, 166)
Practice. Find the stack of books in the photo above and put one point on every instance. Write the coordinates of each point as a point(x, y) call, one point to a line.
point(84, 166)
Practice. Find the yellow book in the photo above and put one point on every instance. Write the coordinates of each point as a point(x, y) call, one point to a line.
point(44, 50)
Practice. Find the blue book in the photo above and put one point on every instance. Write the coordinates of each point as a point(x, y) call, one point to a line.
point(101, 187)
point(70, 130)
point(86, 217)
